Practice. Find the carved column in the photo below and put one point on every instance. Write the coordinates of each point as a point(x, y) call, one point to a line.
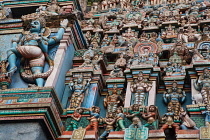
point(58, 60)
point(128, 95)
point(152, 94)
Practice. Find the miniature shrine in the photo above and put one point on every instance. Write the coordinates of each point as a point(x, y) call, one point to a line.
point(105, 70)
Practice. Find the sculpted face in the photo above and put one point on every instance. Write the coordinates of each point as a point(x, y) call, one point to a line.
point(174, 85)
point(135, 107)
point(152, 108)
point(97, 110)
point(35, 26)
point(110, 114)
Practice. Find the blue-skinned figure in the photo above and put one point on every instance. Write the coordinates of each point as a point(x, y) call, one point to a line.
point(33, 49)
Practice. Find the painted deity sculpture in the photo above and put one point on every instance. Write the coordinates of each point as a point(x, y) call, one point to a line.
point(140, 87)
point(202, 84)
point(33, 48)
point(113, 101)
point(94, 115)
point(78, 87)
point(134, 114)
point(76, 116)
point(109, 121)
point(207, 113)
point(116, 72)
point(174, 97)
point(120, 123)
point(5, 79)
point(151, 116)
point(169, 121)
point(187, 122)
point(121, 61)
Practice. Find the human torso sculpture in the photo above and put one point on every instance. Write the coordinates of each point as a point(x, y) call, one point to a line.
point(174, 97)
point(140, 87)
point(78, 89)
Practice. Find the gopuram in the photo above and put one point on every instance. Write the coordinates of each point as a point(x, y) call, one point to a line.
point(105, 70)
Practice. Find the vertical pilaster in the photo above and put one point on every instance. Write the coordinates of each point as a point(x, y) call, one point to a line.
point(58, 60)
point(128, 95)
point(152, 94)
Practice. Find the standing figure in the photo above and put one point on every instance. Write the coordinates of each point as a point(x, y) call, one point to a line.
point(174, 97)
point(186, 121)
point(202, 84)
point(207, 113)
point(169, 121)
point(33, 48)
point(76, 116)
point(120, 119)
point(78, 89)
point(94, 115)
point(140, 87)
point(109, 121)
point(113, 101)
point(151, 116)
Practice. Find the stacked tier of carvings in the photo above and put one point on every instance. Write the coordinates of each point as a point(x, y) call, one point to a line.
point(124, 29)
point(121, 29)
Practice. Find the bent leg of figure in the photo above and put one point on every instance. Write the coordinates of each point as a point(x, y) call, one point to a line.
point(176, 127)
point(88, 127)
point(183, 127)
point(164, 127)
point(147, 125)
point(122, 124)
point(38, 70)
point(104, 134)
point(95, 126)
point(12, 57)
point(74, 127)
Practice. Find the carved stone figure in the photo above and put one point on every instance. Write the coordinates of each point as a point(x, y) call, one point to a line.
point(104, 5)
point(140, 87)
point(151, 116)
point(94, 115)
point(53, 8)
point(113, 101)
point(78, 88)
point(134, 114)
point(202, 84)
point(76, 116)
point(5, 80)
point(120, 119)
point(169, 121)
point(109, 121)
point(33, 48)
point(174, 97)
point(187, 122)
point(116, 72)
point(207, 113)
point(2, 12)
point(121, 61)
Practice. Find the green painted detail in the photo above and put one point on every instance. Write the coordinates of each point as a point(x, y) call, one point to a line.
point(52, 124)
point(199, 120)
point(79, 53)
point(72, 111)
point(136, 133)
point(83, 122)
point(28, 96)
point(11, 112)
point(25, 2)
point(64, 0)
